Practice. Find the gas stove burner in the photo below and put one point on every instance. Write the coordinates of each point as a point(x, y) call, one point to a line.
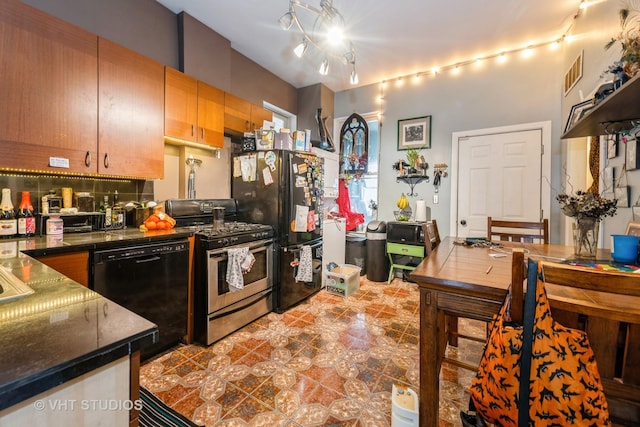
point(233, 233)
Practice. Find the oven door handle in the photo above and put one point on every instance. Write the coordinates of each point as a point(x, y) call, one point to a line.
point(254, 247)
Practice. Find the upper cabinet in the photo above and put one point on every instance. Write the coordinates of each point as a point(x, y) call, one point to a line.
point(616, 111)
point(194, 110)
point(48, 88)
point(131, 111)
point(241, 116)
point(210, 115)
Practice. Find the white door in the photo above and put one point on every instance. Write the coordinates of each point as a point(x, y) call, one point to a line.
point(500, 174)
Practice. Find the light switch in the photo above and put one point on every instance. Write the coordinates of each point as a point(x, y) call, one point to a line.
point(435, 199)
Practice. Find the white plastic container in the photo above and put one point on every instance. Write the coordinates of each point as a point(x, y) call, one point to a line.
point(55, 226)
point(343, 280)
point(404, 407)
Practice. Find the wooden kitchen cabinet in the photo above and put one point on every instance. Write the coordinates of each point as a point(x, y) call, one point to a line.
point(242, 116)
point(131, 113)
point(210, 115)
point(48, 113)
point(74, 265)
point(194, 110)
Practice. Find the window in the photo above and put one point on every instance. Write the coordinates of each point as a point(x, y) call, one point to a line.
point(281, 118)
point(363, 186)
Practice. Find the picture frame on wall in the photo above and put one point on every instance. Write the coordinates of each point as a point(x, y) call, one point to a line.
point(633, 228)
point(635, 210)
point(577, 112)
point(612, 146)
point(414, 133)
point(607, 180)
point(632, 160)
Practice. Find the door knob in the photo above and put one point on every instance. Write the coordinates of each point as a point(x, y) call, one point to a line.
point(463, 222)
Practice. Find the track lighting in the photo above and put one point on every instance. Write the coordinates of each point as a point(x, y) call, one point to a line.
point(324, 28)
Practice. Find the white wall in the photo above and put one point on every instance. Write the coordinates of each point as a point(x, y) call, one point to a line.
point(488, 95)
point(213, 177)
point(595, 27)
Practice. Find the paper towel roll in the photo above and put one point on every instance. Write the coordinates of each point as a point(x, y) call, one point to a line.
point(421, 211)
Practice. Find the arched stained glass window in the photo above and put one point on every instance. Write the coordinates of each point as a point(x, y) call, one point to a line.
point(354, 142)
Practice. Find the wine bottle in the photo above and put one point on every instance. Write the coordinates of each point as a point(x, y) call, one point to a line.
point(117, 211)
point(105, 208)
point(26, 220)
point(8, 222)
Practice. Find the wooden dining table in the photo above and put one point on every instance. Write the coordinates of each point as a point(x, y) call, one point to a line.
point(472, 281)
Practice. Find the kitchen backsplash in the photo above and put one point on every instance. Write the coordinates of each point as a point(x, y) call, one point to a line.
point(39, 185)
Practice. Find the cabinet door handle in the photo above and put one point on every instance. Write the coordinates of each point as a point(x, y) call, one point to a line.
point(202, 133)
point(246, 126)
point(192, 130)
point(106, 160)
point(87, 159)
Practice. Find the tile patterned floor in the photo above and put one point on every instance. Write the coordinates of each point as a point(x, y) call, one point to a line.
point(329, 361)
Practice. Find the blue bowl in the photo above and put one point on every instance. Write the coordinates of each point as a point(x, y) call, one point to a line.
point(624, 248)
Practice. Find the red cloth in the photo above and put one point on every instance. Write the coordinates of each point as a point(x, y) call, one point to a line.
point(353, 219)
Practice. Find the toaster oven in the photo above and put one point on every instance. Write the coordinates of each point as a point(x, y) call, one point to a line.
point(407, 232)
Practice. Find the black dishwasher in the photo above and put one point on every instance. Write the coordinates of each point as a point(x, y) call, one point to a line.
point(152, 281)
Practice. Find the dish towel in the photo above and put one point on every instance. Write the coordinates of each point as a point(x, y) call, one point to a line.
point(305, 268)
point(239, 262)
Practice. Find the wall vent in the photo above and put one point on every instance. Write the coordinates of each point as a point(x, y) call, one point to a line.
point(574, 74)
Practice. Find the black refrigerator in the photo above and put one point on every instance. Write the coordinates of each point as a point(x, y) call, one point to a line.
point(284, 189)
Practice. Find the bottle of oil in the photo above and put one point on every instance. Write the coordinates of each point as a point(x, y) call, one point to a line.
point(8, 221)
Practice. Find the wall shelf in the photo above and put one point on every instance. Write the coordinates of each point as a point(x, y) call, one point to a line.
point(412, 181)
point(616, 112)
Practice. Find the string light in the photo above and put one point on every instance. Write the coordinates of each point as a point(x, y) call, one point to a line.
point(501, 56)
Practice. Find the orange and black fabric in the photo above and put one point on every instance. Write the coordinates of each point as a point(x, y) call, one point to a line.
point(565, 386)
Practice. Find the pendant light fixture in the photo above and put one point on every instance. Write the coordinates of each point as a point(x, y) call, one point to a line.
point(325, 29)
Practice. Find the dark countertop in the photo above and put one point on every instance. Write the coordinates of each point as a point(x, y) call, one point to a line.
point(63, 330)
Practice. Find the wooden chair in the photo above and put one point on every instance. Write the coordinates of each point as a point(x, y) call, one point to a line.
point(614, 335)
point(518, 231)
point(431, 236)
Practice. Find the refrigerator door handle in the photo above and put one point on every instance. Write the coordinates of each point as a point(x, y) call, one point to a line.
point(298, 248)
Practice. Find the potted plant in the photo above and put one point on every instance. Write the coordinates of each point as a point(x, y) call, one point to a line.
point(412, 158)
point(629, 39)
point(587, 209)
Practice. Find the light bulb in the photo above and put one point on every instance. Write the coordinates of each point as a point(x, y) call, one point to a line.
point(324, 67)
point(354, 77)
point(286, 20)
point(335, 35)
point(300, 49)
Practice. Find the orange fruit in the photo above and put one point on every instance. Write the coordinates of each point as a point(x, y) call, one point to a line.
point(161, 225)
point(151, 225)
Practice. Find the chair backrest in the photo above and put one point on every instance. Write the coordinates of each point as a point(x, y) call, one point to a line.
point(518, 231)
point(431, 236)
point(613, 333)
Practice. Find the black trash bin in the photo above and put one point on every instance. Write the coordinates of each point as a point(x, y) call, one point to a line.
point(356, 251)
point(377, 260)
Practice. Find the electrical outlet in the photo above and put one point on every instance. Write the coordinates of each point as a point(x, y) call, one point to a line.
point(435, 199)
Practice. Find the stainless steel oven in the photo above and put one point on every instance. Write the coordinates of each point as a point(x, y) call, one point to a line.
point(229, 309)
point(219, 309)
